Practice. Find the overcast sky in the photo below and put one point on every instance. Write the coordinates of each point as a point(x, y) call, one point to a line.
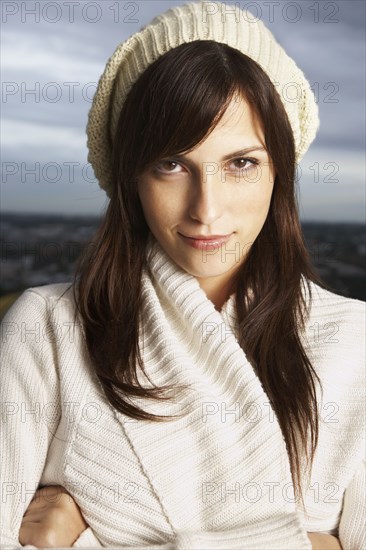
point(59, 50)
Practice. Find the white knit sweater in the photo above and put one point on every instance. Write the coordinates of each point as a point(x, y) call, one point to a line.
point(219, 476)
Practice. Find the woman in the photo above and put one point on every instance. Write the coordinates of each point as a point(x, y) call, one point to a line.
point(197, 386)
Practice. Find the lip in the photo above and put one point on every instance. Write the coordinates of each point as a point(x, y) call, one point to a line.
point(200, 242)
point(205, 237)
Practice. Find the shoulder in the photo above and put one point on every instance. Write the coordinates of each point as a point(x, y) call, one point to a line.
point(44, 314)
point(41, 337)
point(335, 335)
point(30, 333)
point(41, 298)
point(331, 302)
point(53, 292)
point(329, 307)
point(335, 344)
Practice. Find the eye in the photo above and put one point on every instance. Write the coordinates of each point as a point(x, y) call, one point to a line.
point(166, 163)
point(242, 163)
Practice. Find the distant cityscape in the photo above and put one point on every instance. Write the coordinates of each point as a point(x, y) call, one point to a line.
point(43, 249)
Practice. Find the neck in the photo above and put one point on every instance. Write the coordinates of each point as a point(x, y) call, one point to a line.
point(217, 289)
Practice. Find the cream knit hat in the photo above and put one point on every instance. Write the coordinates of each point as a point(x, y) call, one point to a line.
point(201, 20)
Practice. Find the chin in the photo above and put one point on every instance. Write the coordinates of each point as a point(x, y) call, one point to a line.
point(211, 268)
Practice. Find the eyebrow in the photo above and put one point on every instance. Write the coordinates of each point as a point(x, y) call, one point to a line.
point(239, 153)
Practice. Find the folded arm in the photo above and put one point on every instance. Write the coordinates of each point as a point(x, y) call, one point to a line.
point(53, 533)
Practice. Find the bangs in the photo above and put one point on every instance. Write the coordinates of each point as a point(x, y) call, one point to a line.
point(187, 92)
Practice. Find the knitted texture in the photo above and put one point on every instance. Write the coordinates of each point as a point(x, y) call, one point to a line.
point(216, 478)
point(225, 23)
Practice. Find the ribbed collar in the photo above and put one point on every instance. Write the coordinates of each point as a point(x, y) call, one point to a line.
point(183, 289)
point(176, 285)
point(186, 340)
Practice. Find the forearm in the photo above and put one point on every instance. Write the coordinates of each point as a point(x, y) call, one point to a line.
point(323, 541)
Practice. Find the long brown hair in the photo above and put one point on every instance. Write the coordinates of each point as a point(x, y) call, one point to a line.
point(171, 108)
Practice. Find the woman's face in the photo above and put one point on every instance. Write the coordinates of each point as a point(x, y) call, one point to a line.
point(211, 191)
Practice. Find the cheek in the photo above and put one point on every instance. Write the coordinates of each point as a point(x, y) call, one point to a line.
point(150, 207)
point(160, 207)
point(264, 192)
point(254, 201)
point(252, 206)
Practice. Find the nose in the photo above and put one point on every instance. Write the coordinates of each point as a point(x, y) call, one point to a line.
point(206, 202)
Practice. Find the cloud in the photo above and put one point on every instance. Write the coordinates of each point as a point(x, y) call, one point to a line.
point(26, 57)
point(48, 56)
point(37, 138)
point(331, 185)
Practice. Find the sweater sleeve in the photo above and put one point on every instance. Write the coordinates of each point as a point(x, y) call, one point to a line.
point(352, 532)
point(30, 407)
point(283, 534)
point(279, 533)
